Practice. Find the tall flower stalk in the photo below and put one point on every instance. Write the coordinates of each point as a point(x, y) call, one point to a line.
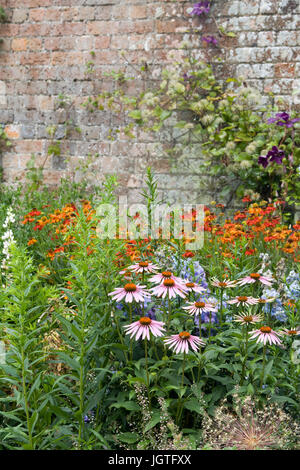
point(263, 366)
point(147, 371)
point(246, 329)
point(179, 407)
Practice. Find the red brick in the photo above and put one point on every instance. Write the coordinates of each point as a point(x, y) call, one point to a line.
point(35, 58)
point(52, 44)
point(19, 15)
point(45, 103)
point(30, 3)
point(86, 13)
point(103, 42)
point(138, 11)
point(9, 29)
point(68, 58)
point(120, 12)
point(37, 14)
point(19, 44)
point(29, 146)
point(34, 44)
point(170, 26)
point(101, 27)
point(284, 70)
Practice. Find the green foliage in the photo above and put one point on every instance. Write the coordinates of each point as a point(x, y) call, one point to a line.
point(3, 16)
point(220, 131)
point(73, 379)
point(24, 411)
point(5, 143)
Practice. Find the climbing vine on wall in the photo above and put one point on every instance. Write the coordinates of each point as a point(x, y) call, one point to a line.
point(221, 130)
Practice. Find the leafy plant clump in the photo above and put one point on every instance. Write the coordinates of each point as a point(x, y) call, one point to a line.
point(227, 133)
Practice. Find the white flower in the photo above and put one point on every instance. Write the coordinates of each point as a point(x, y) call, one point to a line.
point(7, 237)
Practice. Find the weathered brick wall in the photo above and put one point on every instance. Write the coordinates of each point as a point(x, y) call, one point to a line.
point(47, 44)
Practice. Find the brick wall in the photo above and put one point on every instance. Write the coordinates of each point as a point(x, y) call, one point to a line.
point(47, 44)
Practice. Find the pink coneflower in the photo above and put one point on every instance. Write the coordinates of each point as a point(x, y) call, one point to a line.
point(243, 300)
point(143, 327)
point(192, 287)
point(222, 284)
point(130, 292)
point(169, 287)
point(126, 274)
point(159, 278)
point(143, 267)
point(196, 308)
point(180, 343)
point(266, 301)
point(246, 318)
point(287, 332)
point(255, 277)
point(265, 335)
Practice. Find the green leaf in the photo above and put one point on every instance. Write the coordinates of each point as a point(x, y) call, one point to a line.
point(128, 437)
point(193, 405)
point(128, 405)
point(153, 422)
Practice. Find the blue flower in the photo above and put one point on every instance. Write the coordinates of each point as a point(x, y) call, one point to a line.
point(193, 271)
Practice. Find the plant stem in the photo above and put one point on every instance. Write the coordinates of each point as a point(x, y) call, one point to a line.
point(130, 318)
point(26, 402)
point(263, 367)
point(246, 354)
point(120, 335)
point(81, 374)
point(169, 314)
point(209, 327)
point(147, 371)
point(183, 367)
point(179, 409)
point(221, 309)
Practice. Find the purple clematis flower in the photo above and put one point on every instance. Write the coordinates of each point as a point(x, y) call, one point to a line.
point(200, 8)
point(273, 155)
point(263, 160)
point(210, 40)
point(283, 119)
point(276, 155)
point(187, 77)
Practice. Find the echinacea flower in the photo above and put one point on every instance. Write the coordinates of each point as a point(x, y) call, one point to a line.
point(193, 287)
point(130, 292)
point(197, 308)
point(266, 301)
point(222, 284)
point(246, 319)
point(160, 277)
point(143, 267)
point(293, 332)
point(180, 343)
point(170, 288)
point(265, 335)
point(143, 327)
point(255, 277)
point(243, 300)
